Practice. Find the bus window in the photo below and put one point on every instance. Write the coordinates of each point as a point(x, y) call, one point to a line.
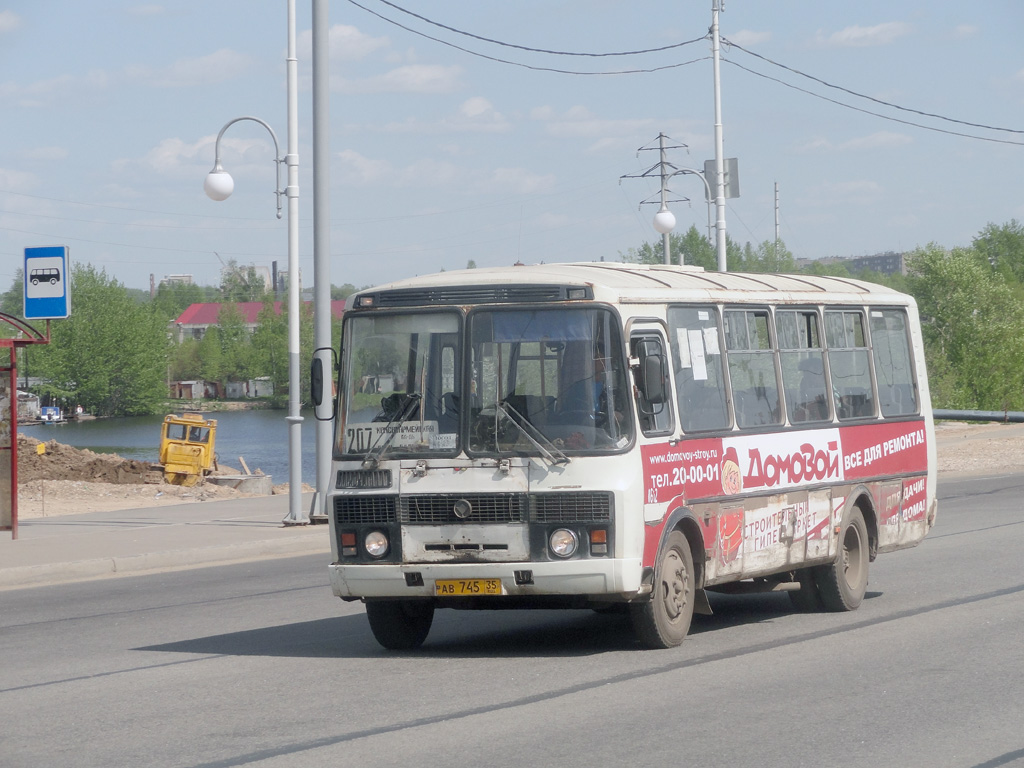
point(755, 387)
point(558, 373)
point(897, 395)
point(849, 364)
point(803, 365)
point(697, 361)
point(655, 418)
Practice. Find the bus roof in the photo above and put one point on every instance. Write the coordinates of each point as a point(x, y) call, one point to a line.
point(621, 283)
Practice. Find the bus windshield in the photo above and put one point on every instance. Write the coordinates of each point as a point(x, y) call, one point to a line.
point(556, 377)
point(400, 385)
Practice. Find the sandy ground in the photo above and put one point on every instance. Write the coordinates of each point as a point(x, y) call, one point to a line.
point(91, 482)
point(60, 480)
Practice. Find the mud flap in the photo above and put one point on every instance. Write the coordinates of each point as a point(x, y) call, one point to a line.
point(701, 604)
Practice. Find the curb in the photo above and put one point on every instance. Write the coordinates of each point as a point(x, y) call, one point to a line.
point(171, 560)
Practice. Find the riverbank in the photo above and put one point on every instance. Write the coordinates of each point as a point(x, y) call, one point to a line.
point(70, 486)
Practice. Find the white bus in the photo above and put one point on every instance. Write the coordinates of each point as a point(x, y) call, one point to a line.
point(607, 436)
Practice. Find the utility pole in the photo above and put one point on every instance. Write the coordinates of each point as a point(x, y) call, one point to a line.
point(777, 238)
point(664, 219)
point(716, 6)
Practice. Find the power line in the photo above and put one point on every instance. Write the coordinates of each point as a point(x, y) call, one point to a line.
point(869, 112)
point(536, 50)
point(865, 96)
point(521, 64)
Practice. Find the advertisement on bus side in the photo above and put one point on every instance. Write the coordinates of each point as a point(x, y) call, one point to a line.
point(740, 464)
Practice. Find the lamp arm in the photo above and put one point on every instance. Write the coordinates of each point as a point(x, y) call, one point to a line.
point(278, 160)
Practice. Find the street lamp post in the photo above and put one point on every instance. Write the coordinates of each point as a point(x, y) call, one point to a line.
point(219, 185)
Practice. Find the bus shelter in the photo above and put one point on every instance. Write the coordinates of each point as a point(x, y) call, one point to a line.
point(25, 335)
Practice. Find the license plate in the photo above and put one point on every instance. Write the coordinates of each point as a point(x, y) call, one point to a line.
point(456, 587)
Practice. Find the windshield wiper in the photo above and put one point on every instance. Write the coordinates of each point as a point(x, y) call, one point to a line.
point(547, 449)
point(372, 457)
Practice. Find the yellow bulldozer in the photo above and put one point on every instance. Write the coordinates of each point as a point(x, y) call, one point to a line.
point(187, 448)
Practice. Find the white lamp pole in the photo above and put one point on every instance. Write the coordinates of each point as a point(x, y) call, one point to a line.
point(218, 186)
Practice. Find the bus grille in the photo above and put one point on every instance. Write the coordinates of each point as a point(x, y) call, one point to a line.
point(486, 508)
point(364, 478)
point(364, 510)
point(571, 508)
point(439, 509)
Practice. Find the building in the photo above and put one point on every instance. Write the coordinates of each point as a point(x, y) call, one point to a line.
point(194, 321)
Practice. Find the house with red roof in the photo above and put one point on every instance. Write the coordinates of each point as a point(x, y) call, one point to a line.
point(194, 321)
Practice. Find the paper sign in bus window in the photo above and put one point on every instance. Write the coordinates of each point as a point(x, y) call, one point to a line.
point(700, 367)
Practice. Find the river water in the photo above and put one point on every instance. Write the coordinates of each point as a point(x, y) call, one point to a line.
point(260, 437)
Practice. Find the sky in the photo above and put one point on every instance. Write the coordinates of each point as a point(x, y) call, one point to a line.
point(459, 132)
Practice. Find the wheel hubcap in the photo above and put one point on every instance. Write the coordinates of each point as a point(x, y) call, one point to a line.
point(674, 585)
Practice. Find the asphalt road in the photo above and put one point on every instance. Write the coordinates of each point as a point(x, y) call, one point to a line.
point(259, 664)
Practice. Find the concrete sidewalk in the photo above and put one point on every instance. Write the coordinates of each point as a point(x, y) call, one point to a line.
point(55, 550)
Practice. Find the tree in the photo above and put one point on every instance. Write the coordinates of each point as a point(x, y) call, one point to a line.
point(269, 346)
point(1002, 248)
point(172, 299)
point(235, 344)
point(340, 292)
point(240, 283)
point(13, 300)
point(694, 247)
point(973, 329)
point(185, 363)
point(110, 355)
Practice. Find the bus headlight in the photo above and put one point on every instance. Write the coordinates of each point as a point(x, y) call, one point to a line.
point(376, 544)
point(563, 542)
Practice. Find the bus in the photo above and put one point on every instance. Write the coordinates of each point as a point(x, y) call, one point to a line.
point(624, 438)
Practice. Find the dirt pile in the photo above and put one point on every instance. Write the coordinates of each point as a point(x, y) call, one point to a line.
point(62, 462)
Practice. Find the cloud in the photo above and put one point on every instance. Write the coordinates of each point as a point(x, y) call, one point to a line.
point(963, 31)
point(345, 43)
point(475, 115)
point(18, 180)
point(9, 21)
point(217, 67)
point(747, 37)
point(411, 78)
point(864, 37)
point(357, 169)
point(878, 140)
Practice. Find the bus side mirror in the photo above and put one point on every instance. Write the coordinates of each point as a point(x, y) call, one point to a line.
point(316, 381)
point(653, 374)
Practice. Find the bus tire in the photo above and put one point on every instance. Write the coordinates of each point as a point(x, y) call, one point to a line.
point(664, 620)
point(400, 625)
point(843, 583)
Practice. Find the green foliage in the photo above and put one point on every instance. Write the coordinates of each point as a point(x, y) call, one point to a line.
point(973, 329)
point(172, 299)
point(1002, 248)
point(241, 283)
point(13, 300)
point(692, 246)
point(110, 355)
point(340, 292)
point(269, 347)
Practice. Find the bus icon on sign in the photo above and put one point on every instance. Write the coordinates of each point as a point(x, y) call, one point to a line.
point(51, 276)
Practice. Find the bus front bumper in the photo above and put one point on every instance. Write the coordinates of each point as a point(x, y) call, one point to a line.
point(589, 577)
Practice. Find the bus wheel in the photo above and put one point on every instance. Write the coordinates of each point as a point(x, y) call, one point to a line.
point(400, 625)
point(843, 583)
point(664, 620)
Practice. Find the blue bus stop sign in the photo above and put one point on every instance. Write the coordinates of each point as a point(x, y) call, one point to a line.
point(47, 283)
